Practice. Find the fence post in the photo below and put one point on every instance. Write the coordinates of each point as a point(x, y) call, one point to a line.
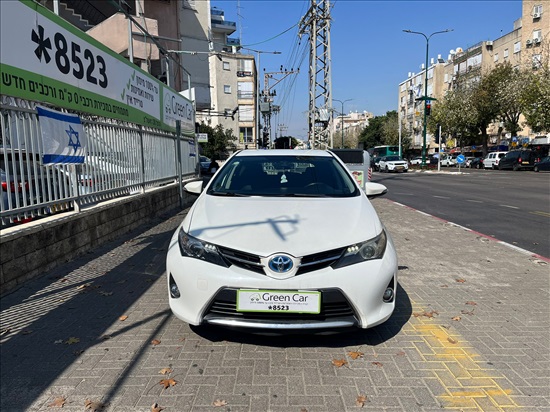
point(142, 159)
point(178, 163)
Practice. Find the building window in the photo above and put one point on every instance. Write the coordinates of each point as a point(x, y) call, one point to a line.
point(245, 135)
point(537, 61)
point(246, 113)
point(505, 53)
point(496, 57)
point(517, 47)
point(227, 89)
point(245, 68)
point(245, 90)
point(226, 66)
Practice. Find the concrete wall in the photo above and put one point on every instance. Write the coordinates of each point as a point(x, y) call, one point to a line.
point(28, 251)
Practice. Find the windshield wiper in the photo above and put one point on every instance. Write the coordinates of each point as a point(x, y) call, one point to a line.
point(218, 193)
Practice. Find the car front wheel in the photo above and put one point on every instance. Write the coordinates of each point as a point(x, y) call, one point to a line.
point(536, 169)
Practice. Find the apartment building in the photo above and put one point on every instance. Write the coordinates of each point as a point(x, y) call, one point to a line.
point(233, 77)
point(525, 46)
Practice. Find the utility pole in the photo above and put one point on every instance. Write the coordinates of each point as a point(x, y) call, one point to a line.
point(266, 100)
point(316, 23)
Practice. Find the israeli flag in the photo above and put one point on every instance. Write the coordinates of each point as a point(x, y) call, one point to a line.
point(63, 138)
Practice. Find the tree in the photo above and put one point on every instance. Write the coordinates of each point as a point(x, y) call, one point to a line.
point(536, 104)
point(283, 142)
point(220, 141)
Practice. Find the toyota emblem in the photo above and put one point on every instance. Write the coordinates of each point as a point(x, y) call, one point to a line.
point(280, 264)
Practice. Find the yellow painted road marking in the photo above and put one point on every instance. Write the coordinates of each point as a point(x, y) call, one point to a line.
point(467, 382)
point(537, 212)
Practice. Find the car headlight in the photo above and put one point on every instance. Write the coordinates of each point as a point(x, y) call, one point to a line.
point(195, 248)
point(361, 252)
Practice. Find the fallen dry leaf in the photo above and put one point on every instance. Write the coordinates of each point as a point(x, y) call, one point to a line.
point(165, 371)
point(457, 318)
point(155, 342)
point(400, 353)
point(95, 405)
point(105, 293)
point(360, 401)
point(156, 407)
point(460, 280)
point(471, 303)
point(84, 286)
point(426, 314)
point(379, 364)
point(58, 402)
point(123, 318)
point(26, 332)
point(355, 355)
point(219, 402)
point(105, 337)
point(72, 340)
point(167, 382)
point(303, 410)
point(467, 312)
point(444, 286)
point(339, 362)
point(451, 340)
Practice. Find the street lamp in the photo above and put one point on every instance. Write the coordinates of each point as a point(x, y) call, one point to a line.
point(425, 98)
point(259, 52)
point(342, 122)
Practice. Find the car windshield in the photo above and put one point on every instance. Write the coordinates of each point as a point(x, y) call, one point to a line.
point(392, 158)
point(293, 175)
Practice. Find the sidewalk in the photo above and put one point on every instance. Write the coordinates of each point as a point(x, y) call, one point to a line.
point(471, 332)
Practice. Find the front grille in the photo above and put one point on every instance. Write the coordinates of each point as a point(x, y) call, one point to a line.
point(334, 305)
point(309, 263)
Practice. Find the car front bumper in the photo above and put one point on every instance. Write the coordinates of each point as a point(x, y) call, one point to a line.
point(351, 296)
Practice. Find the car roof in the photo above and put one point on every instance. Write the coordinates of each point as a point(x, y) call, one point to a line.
point(283, 152)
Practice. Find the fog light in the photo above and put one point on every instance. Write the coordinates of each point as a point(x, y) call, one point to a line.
point(174, 291)
point(388, 295)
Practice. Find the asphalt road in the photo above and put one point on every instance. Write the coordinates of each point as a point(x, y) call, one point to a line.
point(513, 207)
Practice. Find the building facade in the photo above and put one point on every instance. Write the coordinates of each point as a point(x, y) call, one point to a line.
point(526, 46)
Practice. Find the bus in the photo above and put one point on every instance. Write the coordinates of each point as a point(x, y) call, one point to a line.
point(380, 151)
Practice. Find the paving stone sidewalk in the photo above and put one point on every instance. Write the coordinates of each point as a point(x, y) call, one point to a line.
point(471, 332)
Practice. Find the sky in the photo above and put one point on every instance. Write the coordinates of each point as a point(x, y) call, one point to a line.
point(370, 53)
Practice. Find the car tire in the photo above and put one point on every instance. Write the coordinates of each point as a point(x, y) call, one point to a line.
point(387, 170)
point(478, 166)
point(536, 168)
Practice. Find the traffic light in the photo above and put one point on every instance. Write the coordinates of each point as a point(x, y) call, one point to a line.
point(428, 109)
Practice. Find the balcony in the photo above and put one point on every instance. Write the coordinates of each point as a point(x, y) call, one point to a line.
point(220, 25)
point(232, 42)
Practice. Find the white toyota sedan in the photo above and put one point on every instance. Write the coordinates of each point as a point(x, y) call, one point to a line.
point(282, 240)
point(393, 164)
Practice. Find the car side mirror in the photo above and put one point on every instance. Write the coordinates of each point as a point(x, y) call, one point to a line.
point(375, 189)
point(194, 188)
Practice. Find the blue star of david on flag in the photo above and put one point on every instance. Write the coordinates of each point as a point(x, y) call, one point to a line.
point(55, 128)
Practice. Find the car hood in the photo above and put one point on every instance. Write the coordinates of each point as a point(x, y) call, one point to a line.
point(298, 226)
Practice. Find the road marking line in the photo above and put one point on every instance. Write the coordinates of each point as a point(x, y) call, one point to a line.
point(473, 201)
point(510, 207)
point(442, 197)
point(458, 368)
point(545, 214)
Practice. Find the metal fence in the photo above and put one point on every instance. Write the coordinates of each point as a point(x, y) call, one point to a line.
point(122, 159)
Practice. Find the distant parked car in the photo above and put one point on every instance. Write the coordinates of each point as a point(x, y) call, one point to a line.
point(416, 160)
point(393, 164)
point(204, 163)
point(544, 164)
point(518, 160)
point(376, 163)
point(448, 161)
point(476, 163)
point(468, 161)
point(492, 160)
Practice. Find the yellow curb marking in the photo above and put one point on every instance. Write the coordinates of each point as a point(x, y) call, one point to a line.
point(465, 382)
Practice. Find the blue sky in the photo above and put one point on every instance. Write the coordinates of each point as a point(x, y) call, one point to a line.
point(370, 52)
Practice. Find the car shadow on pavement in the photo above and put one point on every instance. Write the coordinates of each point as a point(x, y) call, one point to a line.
point(372, 337)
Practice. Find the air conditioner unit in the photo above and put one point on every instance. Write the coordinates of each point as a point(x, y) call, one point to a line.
point(489, 43)
point(537, 40)
point(536, 15)
point(528, 42)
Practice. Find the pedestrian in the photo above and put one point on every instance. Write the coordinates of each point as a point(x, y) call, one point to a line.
point(213, 166)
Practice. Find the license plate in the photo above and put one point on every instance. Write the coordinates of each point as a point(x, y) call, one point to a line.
point(278, 301)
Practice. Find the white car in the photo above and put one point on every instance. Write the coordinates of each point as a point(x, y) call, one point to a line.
point(448, 161)
point(393, 163)
point(416, 160)
point(282, 240)
point(492, 159)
